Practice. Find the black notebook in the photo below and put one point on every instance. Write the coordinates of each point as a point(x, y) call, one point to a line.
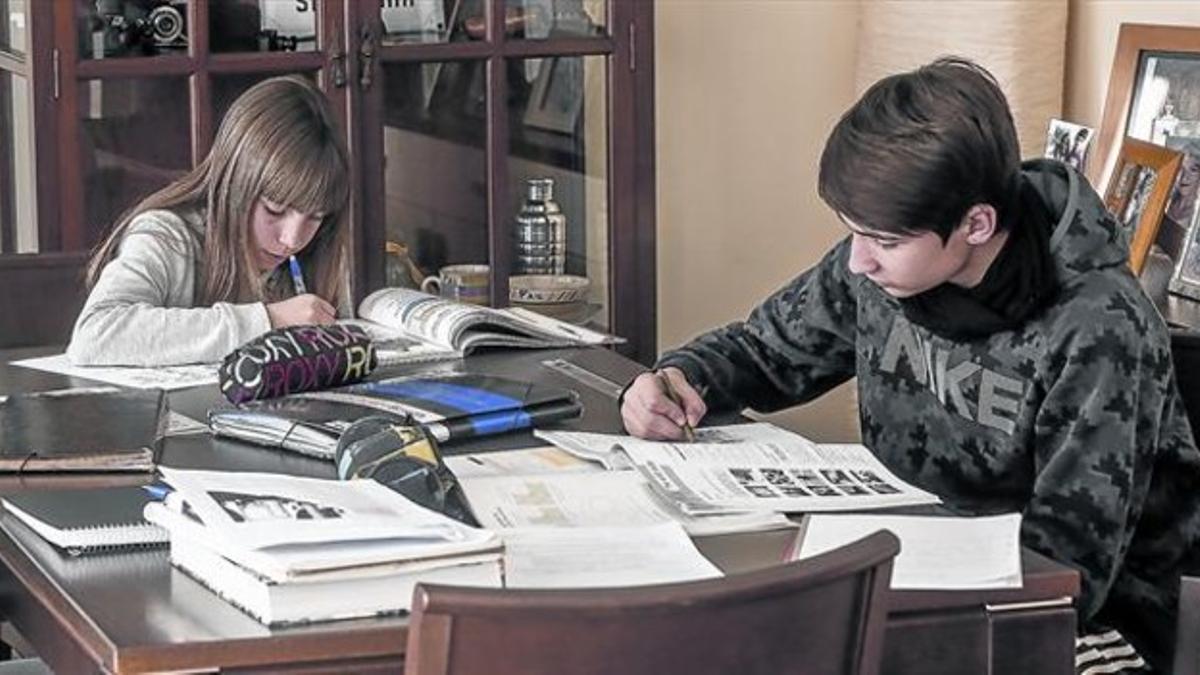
point(87, 520)
point(106, 429)
point(451, 406)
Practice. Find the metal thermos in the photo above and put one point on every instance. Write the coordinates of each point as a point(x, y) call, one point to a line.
point(541, 231)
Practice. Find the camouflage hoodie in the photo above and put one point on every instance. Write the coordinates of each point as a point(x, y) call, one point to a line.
point(1073, 418)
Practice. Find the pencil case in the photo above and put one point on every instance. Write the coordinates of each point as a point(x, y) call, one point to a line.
point(295, 359)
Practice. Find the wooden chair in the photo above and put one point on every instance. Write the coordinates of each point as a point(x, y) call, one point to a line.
point(42, 295)
point(821, 615)
point(1185, 353)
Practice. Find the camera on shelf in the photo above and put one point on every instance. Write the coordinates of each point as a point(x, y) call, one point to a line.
point(141, 26)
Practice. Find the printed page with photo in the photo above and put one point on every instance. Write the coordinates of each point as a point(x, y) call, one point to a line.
point(754, 467)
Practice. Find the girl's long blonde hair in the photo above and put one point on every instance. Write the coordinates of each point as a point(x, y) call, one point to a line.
point(278, 141)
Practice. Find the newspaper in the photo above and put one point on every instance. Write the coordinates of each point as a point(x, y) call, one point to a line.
point(401, 319)
point(605, 499)
point(280, 526)
point(935, 552)
point(158, 377)
point(754, 467)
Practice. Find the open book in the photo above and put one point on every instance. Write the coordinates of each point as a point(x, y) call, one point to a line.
point(750, 467)
point(410, 326)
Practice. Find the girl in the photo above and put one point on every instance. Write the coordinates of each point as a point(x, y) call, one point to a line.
point(201, 266)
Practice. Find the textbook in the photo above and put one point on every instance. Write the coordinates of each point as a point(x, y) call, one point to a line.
point(93, 429)
point(450, 406)
point(287, 549)
point(88, 520)
point(411, 326)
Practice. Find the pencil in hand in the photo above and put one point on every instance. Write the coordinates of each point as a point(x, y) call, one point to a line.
point(664, 382)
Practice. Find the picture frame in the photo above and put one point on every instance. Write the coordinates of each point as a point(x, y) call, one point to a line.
point(1153, 65)
point(1183, 215)
point(556, 99)
point(1143, 177)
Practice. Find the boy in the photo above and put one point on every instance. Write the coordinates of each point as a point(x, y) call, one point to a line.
point(1006, 358)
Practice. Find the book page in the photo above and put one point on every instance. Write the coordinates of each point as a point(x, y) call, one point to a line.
point(426, 316)
point(753, 467)
point(561, 329)
point(260, 510)
point(604, 499)
point(158, 377)
point(935, 552)
point(602, 557)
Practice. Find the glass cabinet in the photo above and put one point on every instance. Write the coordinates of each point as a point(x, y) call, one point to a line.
point(515, 135)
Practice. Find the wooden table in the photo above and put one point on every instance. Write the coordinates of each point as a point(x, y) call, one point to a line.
point(132, 613)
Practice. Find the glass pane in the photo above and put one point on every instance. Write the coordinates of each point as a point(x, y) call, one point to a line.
point(558, 166)
point(119, 28)
point(263, 25)
point(13, 17)
point(435, 178)
point(541, 19)
point(135, 139)
point(431, 20)
point(18, 220)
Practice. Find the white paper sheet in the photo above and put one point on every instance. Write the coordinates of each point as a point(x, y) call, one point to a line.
point(604, 499)
point(935, 553)
point(525, 461)
point(159, 377)
point(753, 467)
point(602, 557)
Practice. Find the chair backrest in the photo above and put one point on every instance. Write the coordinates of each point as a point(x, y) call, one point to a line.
point(824, 614)
point(41, 296)
point(1187, 631)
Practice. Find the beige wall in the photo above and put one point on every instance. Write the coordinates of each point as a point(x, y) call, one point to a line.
point(747, 92)
point(1092, 41)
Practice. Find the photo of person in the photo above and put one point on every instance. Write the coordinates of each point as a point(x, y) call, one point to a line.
point(245, 508)
point(1069, 143)
point(1181, 206)
point(1143, 185)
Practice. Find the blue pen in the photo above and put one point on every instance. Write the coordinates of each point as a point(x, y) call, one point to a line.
point(297, 275)
point(158, 491)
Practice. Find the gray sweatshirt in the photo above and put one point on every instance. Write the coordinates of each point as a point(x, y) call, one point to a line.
point(142, 310)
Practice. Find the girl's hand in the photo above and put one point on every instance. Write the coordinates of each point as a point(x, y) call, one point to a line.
point(301, 310)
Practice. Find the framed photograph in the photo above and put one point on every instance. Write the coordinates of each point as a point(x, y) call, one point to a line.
point(1153, 92)
point(1183, 216)
point(1137, 197)
point(1069, 143)
point(557, 95)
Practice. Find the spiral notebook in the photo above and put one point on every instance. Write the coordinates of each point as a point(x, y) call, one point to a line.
point(90, 520)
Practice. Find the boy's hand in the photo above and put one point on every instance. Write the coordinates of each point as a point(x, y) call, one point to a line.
point(306, 309)
point(649, 413)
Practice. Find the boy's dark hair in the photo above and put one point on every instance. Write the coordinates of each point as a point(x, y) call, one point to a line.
point(920, 148)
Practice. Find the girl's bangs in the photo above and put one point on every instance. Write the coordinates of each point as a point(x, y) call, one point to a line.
point(310, 182)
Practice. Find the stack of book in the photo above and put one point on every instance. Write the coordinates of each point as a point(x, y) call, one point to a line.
point(82, 429)
point(451, 406)
point(290, 550)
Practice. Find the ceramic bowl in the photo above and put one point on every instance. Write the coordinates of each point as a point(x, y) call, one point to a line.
point(547, 288)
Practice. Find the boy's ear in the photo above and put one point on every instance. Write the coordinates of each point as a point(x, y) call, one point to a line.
point(979, 224)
